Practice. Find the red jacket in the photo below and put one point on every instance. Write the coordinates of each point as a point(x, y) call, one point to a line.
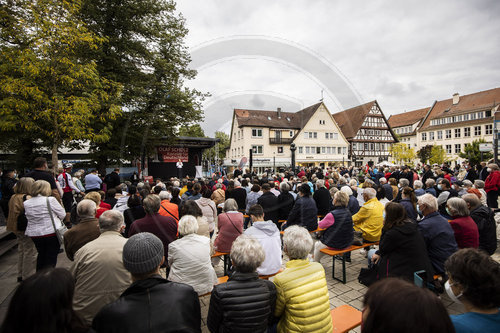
point(492, 182)
point(466, 232)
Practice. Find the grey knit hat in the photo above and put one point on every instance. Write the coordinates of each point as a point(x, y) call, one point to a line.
point(142, 253)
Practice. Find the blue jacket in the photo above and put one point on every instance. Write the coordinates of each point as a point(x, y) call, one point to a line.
point(439, 238)
point(304, 213)
point(410, 211)
point(353, 205)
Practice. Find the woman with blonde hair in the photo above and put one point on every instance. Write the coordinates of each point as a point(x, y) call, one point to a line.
point(25, 248)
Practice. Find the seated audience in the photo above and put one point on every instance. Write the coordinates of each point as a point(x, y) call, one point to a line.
point(485, 221)
point(85, 231)
point(208, 209)
point(285, 201)
point(437, 232)
point(479, 185)
point(402, 250)
point(229, 225)
point(322, 198)
point(135, 211)
point(151, 303)
point(218, 196)
point(44, 303)
point(268, 235)
point(191, 208)
point(429, 187)
point(244, 303)
point(464, 227)
point(100, 277)
point(189, 257)
point(269, 203)
point(168, 208)
point(353, 205)
point(409, 202)
point(304, 212)
point(418, 187)
point(369, 219)
point(304, 306)
point(385, 189)
point(474, 281)
point(446, 193)
point(389, 306)
point(338, 224)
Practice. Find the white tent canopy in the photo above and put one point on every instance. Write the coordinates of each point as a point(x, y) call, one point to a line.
point(386, 163)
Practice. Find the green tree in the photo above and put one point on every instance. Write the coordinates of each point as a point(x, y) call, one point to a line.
point(438, 155)
point(194, 131)
point(472, 154)
point(425, 153)
point(48, 92)
point(401, 153)
point(218, 152)
point(144, 51)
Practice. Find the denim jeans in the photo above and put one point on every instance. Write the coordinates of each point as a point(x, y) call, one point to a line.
point(370, 255)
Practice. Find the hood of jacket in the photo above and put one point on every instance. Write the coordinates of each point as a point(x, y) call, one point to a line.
point(204, 201)
point(481, 211)
point(406, 229)
point(267, 227)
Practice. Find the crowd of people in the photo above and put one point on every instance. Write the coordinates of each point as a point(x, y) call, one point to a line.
point(123, 235)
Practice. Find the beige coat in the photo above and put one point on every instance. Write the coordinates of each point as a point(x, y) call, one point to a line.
point(100, 276)
point(15, 208)
point(219, 196)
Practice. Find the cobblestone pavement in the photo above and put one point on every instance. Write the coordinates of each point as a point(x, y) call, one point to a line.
point(350, 293)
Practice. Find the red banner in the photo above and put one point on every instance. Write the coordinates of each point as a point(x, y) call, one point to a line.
point(173, 154)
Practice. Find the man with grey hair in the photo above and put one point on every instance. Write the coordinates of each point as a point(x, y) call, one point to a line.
point(100, 277)
point(322, 198)
point(168, 208)
point(369, 219)
point(291, 301)
point(151, 299)
point(386, 189)
point(163, 227)
point(485, 221)
point(85, 231)
point(479, 185)
point(437, 232)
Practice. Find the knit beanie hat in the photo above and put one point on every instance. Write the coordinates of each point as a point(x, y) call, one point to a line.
point(142, 253)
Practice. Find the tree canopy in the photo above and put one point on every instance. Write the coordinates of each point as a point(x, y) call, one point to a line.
point(473, 155)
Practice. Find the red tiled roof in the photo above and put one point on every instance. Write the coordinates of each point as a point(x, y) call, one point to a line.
point(350, 120)
point(263, 118)
point(407, 118)
point(482, 100)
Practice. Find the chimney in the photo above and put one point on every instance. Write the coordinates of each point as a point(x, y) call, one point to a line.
point(456, 98)
point(279, 113)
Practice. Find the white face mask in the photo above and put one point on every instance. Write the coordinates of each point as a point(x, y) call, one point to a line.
point(489, 169)
point(450, 293)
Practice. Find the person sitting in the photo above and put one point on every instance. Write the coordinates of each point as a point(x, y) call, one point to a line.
point(47, 297)
point(464, 227)
point(353, 205)
point(485, 221)
point(218, 195)
point(230, 225)
point(244, 303)
point(97, 198)
point(208, 209)
point(479, 185)
point(168, 208)
point(369, 220)
point(239, 194)
point(418, 187)
point(85, 231)
point(304, 306)
point(269, 203)
point(446, 193)
point(100, 277)
point(150, 303)
point(285, 201)
point(389, 306)
point(163, 227)
point(338, 224)
point(474, 281)
point(189, 257)
point(304, 212)
point(191, 208)
point(268, 235)
point(429, 187)
point(322, 198)
point(409, 202)
point(402, 250)
point(437, 232)
point(385, 189)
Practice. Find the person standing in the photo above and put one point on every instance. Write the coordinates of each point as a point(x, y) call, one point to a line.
point(113, 179)
point(68, 187)
point(41, 172)
point(92, 181)
point(8, 182)
point(492, 185)
point(179, 166)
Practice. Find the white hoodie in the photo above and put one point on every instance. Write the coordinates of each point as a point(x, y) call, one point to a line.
point(268, 235)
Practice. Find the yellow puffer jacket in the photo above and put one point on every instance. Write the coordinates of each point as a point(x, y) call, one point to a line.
point(302, 298)
point(370, 220)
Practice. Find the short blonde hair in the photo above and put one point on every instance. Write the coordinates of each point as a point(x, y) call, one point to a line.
point(24, 185)
point(41, 187)
point(94, 196)
point(188, 224)
point(342, 198)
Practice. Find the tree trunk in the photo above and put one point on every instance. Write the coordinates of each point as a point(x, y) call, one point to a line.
point(55, 161)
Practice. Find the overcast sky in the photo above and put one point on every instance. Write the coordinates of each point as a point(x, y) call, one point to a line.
point(405, 54)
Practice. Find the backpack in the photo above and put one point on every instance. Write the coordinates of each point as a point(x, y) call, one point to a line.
point(22, 220)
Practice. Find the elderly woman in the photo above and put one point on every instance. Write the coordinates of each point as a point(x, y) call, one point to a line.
point(304, 212)
point(189, 258)
point(474, 281)
point(25, 248)
point(304, 306)
point(429, 187)
point(191, 208)
point(45, 215)
point(230, 226)
point(285, 201)
point(492, 185)
point(208, 209)
point(78, 181)
point(339, 232)
point(244, 303)
point(218, 195)
point(466, 232)
point(418, 186)
point(479, 185)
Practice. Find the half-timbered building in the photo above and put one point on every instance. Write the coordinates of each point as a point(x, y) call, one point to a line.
point(368, 132)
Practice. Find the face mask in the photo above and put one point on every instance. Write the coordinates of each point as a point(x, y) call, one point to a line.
point(448, 211)
point(489, 169)
point(419, 211)
point(450, 293)
point(440, 187)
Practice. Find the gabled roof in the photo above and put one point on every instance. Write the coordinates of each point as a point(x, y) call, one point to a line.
point(263, 118)
point(483, 100)
point(407, 118)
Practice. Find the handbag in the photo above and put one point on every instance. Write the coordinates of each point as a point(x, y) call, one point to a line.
point(59, 232)
point(368, 276)
point(358, 238)
point(22, 220)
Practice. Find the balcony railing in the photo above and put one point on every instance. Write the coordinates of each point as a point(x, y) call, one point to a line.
point(280, 141)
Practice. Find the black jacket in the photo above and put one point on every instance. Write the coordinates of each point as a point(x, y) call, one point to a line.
point(151, 305)
point(304, 213)
point(403, 252)
point(322, 198)
point(486, 225)
point(269, 203)
point(240, 195)
point(112, 180)
point(427, 175)
point(471, 175)
point(285, 203)
point(244, 303)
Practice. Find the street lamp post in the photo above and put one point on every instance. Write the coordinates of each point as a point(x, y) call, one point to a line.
point(495, 138)
point(274, 162)
point(292, 149)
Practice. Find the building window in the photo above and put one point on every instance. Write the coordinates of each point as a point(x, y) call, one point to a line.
point(488, 129)
point(308, 150)
point(457, 132)
point(339, 150)
point(291, 134)
point(467, 132)
point(256, 133)
point(472, 116)
point(258, 150)
point(424, 136)
point(321, 122)
point(480, 115)
point(457, 148)
point(329, 150)
point(280, 150)
point(344, 150)
point(477, 130)
point(354, 146)
point(323, 150)
point(431, 136)
point(327, 135)
point(335, 136)
point(315, 135)
point(448, 134)
point(440, 135)
point(301, 150)
point(448, 149)
point(318, 150)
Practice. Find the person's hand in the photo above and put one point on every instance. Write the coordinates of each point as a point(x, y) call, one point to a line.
point(375, 259)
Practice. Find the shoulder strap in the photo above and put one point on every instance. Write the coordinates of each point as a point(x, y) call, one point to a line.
point(233, 224)
point(50, 214)
point(169, 212)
